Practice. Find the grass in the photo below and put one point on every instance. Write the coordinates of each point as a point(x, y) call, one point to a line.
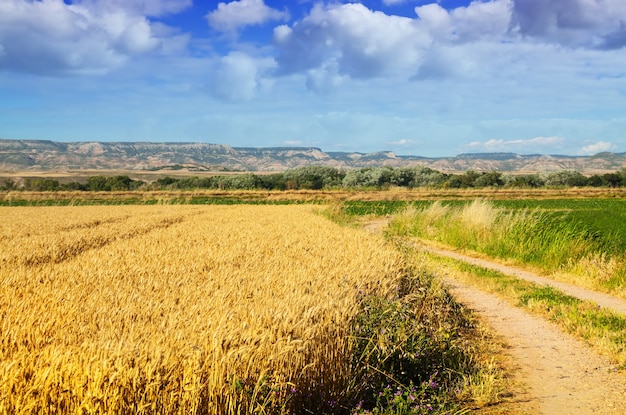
point(555, 241)
point(604, 329)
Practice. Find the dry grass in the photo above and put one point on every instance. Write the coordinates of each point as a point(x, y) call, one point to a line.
point(312, 195)
point(179, 309)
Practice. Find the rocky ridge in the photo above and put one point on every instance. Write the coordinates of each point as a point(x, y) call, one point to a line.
point(39, 155)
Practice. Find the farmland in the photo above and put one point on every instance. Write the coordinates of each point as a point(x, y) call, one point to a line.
point(215, 310)
point(255, 303)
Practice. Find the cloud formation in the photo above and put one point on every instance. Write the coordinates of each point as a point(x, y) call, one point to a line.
point(230, 17)
point(520, 146)
point(363, 43)
point(576, 23)
point(597, 147)
point(237, 77)
point(51, 37)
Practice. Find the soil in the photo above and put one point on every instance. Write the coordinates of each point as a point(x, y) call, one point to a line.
point(557, 374)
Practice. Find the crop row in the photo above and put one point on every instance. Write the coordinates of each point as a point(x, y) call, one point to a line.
point(180, 309)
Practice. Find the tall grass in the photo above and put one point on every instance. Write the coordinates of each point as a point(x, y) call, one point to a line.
point(553, 242)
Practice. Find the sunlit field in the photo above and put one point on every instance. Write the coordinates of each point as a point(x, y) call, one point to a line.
point(180, 309)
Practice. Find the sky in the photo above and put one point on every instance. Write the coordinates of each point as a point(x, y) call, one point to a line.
point(417, 77)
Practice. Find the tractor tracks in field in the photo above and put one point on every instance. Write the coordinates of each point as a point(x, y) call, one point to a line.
point(556, 373)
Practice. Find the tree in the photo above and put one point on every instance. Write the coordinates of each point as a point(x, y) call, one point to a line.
point(565, 178)
point(9, 184)
point(468, 178)
point(523, 180)
point(42, 185)
point(612, 179)
point(97, 183)
point(491, 179)
point(313, 177)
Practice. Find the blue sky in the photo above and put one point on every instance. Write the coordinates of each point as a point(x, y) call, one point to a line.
point(412, 76)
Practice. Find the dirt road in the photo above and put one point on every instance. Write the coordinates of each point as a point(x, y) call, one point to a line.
point(558, 374)
point(562, 374)
point(603, 300)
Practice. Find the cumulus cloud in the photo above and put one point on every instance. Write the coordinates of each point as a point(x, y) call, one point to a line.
point(362, 42)
point(324, 79)
point(596, 148)
point(237, 77)
point(532, 145)
point(579, 23)
point(438, 43)
point(229, 17)
point(51, 37)
point(479, 20)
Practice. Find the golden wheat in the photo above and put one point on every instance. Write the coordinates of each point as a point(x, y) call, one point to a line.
point(179, 309)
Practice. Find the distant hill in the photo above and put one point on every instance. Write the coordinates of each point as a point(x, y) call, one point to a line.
point(35, 155)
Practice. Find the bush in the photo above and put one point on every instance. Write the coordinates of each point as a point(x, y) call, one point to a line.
point(408, 350)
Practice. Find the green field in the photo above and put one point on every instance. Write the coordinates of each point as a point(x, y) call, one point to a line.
point(581, 240)
point(603, 217)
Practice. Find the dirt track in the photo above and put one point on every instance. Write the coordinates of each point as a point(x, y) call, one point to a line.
point(557, 374)
point(562, 374)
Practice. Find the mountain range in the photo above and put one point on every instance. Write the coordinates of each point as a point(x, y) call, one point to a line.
point(40, 155)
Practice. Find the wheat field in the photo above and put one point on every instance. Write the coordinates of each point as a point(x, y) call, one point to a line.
point(180, 309)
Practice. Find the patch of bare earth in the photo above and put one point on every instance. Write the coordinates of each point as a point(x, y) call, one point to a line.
point(560, 374)
point(557, 373)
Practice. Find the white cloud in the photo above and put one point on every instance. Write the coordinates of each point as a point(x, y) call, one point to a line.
point(362, 42)
point(324, 79)
point(597, 147)
point(229, 17)
point(532, 145)
point(237, 77)
point(401, 143)
point(51, 37)
point(439, 43)
point(481, 20)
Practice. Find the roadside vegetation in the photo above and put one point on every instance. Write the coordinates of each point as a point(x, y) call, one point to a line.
point(577, 241)
point(581, 241)
point(225, 310)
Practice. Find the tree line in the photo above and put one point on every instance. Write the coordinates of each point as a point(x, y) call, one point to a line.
point(325, 177)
